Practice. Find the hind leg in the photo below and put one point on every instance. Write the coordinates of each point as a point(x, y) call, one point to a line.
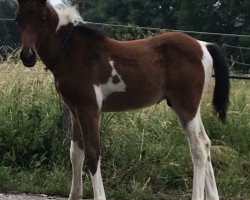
point(199, 143)
point(185, 102)
point(210, 184)
point(199, 155)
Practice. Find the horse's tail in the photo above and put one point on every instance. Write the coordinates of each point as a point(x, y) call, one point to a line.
point(222, 84)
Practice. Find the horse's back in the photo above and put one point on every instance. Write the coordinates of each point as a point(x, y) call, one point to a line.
point(177, 40)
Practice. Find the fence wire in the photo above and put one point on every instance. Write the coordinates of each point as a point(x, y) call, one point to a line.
point(5, 50)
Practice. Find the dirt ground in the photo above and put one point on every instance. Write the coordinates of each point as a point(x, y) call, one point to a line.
point(27, 197)
point(44, 197)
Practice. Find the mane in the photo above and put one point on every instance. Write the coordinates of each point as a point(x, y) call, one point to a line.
point(89, 31)
point(67, 14)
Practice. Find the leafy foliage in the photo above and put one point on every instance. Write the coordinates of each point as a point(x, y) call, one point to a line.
point(30, 133)
point(144, 13)
point(8, 29)
point(205, 15)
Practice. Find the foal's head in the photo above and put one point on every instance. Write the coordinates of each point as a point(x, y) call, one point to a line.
point(31, 18)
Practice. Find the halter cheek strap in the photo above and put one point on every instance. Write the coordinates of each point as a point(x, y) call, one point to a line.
point(61, 49)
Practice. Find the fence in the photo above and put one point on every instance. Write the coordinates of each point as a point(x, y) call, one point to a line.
point(239, 67)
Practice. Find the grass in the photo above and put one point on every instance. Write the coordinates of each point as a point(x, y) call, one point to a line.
point(145, 154)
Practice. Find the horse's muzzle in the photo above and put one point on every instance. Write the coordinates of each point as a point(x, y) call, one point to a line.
point(28, 57)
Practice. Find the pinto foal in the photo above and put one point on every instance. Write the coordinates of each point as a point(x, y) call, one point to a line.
point(94, 73)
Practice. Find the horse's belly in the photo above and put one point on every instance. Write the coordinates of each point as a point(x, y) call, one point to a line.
point(133, 87)
point(132, 99)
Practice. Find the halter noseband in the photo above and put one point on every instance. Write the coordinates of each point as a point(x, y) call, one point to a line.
point(61, 49)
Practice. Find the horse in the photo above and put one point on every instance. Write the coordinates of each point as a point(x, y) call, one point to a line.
point(94, 73)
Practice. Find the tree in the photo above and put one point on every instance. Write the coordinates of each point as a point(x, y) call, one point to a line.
point(8, 29)
point(157, 13)
point(225, 16)
point(213, 15)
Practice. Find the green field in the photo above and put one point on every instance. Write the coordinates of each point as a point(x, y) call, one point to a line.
point(145, 154)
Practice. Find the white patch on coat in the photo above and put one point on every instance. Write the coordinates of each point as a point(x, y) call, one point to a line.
point(207, 63)
point(200, 145)
point(67, 14)
point(199, 156)
point(99, 95)
point(102, 91)
point(99, 193)
point(109, 87)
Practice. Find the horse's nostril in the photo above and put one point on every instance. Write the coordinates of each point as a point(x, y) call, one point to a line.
point(31, 55)
point(28, 56)
point(27, 53)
